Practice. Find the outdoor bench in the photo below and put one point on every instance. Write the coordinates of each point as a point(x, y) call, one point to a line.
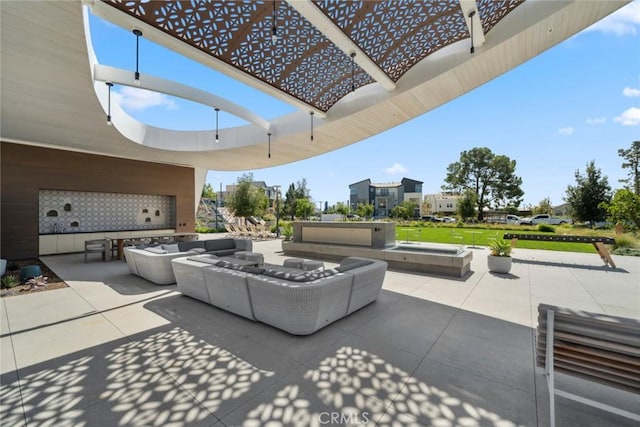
point(594, 347)
point(597, 242)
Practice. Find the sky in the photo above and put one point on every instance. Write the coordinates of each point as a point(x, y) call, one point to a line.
point(576, 102)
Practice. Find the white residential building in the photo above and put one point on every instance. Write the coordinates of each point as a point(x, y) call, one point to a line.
point(442, 203)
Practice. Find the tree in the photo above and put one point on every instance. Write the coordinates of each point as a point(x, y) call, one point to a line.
point(295, 193)
point(302, 192)
point(466, 207)
point(342, 209)
point(304, 208)
point(289, 205)
point(404, 210)
point(247, 200)
point(632, 162)
point(399, 212)
point(208, 191)
point(365, 210)
point(587, 195)
point(492, 178)
point(624, 208)
point(544, 207)
point(425, 208)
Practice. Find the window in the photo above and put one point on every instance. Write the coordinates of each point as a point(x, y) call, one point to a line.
point(354, 191)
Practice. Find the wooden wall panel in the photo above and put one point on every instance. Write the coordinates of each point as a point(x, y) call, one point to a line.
point(27, 169)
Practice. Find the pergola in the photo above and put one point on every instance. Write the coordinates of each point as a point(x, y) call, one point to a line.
point(351, 69)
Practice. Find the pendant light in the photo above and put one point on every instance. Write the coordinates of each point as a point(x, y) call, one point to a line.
point(353, 71)
point(269, 135)
point(311, 114)
point(471, 15)
point(217, 136)
point(138, 34)
point(110, 85)
point(274, 29)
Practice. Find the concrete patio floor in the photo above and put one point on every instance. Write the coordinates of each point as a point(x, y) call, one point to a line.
point(113, 349)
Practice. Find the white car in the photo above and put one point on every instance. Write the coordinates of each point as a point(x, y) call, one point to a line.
point(544, 219)
point(513, 219)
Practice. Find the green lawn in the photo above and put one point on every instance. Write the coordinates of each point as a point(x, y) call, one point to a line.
point(481, 236)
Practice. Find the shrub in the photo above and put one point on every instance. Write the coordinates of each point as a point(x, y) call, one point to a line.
point(546, 228)
point(460, 224)
point(10, 280)
point(626, 252)
point(287, 230)
point(624, 241)
point(208, 230)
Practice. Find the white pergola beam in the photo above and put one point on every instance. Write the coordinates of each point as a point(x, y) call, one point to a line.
point(311, 13)
point(467, 7)
point(106, 73)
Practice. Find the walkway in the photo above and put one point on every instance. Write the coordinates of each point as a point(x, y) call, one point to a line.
point(113, 349)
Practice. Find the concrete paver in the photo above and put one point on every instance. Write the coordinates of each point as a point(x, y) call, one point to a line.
point(114, 349)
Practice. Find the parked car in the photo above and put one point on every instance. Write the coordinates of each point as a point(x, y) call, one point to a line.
point(544, 219)
point(448, 219)
point(430, 218)
point(513, 219)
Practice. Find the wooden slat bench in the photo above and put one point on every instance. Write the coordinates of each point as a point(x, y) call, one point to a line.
point(597, 242)
point(595, 347)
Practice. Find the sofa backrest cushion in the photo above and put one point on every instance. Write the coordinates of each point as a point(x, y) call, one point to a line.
point(218, 244)
point(300, 276)
point(185, 246)
point(353, 265)
point(207, 260)
point(172, 249)
point(251, 269)
point(156, 250)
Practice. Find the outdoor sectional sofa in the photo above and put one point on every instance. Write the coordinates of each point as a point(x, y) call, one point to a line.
point(154, 263)
point(297, 301)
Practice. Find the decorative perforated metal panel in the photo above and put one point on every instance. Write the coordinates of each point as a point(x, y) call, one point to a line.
point(304, 63)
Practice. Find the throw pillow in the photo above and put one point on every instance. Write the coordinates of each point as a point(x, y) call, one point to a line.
point(172, 249)
point(197, 251)
point(156, 250)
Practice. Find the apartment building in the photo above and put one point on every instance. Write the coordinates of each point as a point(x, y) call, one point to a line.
point(385, 196)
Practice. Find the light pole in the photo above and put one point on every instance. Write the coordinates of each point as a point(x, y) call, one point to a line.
point(320, 207)
point(277, 189)
point(215, 212)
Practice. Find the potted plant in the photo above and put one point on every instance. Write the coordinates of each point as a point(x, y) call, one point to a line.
point(499, 259)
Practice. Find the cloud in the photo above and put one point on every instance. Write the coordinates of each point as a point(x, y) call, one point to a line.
point(630, 117)
point(135, 99)
point(631, 92)
point(622, 22)
point(597, 121)
point(566, 131)
point(396, 169)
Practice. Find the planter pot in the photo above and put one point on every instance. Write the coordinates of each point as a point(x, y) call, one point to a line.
point(499, 264)
point(3, 266)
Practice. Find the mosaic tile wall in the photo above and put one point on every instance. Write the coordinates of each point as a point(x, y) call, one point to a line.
point(77, 211)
